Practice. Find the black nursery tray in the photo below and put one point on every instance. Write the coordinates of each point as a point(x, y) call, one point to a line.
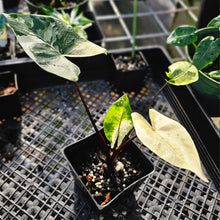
point(35, 180)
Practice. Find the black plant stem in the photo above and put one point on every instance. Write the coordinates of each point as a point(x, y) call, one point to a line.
point(107, 152)
point(123, 144)
point(155, 95)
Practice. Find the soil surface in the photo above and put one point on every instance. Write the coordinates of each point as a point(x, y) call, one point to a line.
point(103, 185)
point(7, 90)
point(126, 63)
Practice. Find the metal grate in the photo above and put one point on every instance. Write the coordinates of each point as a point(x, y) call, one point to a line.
point(155, 20)
point(36, 182)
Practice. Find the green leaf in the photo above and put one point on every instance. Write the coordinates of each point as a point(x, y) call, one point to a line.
point(215, 22)
point(215, 75)
point(182, 36)
point(182, 73)
point(169, 140)
point(48, 40)
point(79, 23)
point(118, 122)
point(206, 52)
point(2, 24)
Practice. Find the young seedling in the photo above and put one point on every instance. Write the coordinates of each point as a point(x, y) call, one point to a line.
point(75, 18)
point(134, 28)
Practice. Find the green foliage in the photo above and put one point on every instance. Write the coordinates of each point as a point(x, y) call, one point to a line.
point(118, 121)
point(215, 22)
point(77, 20)
point(48, 41)
point(206, 52)
point(182, 73)
point(182, 36)
point(134, 28)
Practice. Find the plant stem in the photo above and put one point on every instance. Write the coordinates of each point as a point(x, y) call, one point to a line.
point(155, 95)
point(195, 46)
point(86, 107)
point(123, 144)
point(107, 152)
point(134, 28)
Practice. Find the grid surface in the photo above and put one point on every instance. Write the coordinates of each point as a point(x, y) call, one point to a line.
point(155, 21)
point(36, 182)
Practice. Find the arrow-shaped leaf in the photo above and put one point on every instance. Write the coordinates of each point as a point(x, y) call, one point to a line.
point(169, 140)
point(182, 73)
point(118, 121)
point(207, 50)
point(48, 40)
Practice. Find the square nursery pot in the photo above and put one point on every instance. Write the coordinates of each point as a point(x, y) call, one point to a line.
point(94, 32)
point(129, 74)
point(82, 155)
point(9, 97)
point(10, 3)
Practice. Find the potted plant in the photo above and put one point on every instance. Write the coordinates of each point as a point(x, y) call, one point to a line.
point(202, 49)
point(83, 22)
point(129, 73)
point(65, 5)
point(76, 19)
point(113, 152)
point(130, 68)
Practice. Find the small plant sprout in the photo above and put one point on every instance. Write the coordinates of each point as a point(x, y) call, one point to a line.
point(134, 28)
point(48, 41)
point(75, 18)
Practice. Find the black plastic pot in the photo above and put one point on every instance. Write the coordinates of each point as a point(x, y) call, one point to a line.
point(78, 153)
point(10, 3)
point(206, 89)
point(126, 80)
point(93, 32)
point(33, 8)
point(10, 104)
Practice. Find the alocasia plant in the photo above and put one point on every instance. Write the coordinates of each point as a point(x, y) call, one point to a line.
point(48, 41)
point(165, 137)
